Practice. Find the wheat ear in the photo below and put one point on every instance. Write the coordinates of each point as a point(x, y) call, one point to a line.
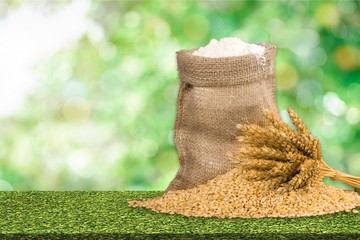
point(334, 174)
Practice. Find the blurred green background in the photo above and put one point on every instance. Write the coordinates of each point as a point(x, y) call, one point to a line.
point(88, 88)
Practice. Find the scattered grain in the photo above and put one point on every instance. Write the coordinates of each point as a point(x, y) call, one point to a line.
point(277, 173)
point(251, 199)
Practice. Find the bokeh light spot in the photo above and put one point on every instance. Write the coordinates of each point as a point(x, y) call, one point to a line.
point(276, 37)
point(76, 109)
point(5, 185)
point(148, 147)
point(162, 30)
point(353, 91)
point(74, 88)
point(133, 104)
point(344, 134)
point(303, 42)
point(318, 103)
point(243, 35)
point(132, 19)
point(341, 30)
point(50, 107)
point(196, 27)
point(304, 97)
point(329, 119)
point(308, 93)
point(107, 51)
point(64, 72)
point(115, 152)
point(354, 31)
point(353, 115)
point(318, 56)
point(328, 132)
point(132, 67)
point(297, 7)
point(334, 104)
point(156, 27)
point(327, 15)
point(143, 44)
point(346, 57)
point(80, 162)
point(287, 76)
point(274, 23)
point(95, 32)
point(175, 7)
point(346, 6)
point(353, 163)
point(111, 81)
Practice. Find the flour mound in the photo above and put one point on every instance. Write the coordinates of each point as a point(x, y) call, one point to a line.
point(229, 47)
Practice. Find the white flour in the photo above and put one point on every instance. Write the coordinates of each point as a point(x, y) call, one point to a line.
point(229, 47)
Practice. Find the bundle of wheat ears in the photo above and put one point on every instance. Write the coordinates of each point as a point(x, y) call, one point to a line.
point(292, 157)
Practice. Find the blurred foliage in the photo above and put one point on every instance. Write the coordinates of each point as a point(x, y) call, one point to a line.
point(102, 115)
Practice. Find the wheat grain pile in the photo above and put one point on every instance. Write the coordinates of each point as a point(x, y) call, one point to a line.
point(232, 196)
point(278, 173)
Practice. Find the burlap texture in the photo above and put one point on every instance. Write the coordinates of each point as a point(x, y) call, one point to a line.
point(214, 95)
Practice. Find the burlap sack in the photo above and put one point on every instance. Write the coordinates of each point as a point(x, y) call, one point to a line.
point(214, 95)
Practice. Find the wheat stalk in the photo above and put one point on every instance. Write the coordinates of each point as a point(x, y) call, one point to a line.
point(292, 157)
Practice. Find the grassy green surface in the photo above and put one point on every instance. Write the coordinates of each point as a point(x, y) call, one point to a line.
point(105, 215)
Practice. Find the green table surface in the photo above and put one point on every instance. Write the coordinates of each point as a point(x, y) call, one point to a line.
point(105, 215)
